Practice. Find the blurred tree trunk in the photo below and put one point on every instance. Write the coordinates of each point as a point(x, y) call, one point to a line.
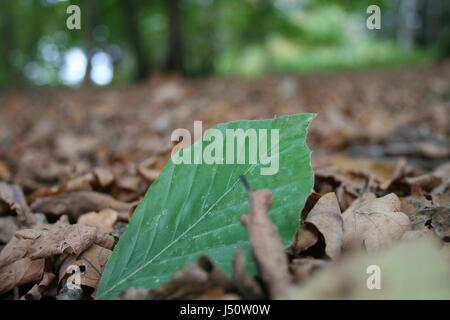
point(92, 20)
point(130, 9)
point(175, 47)
point(407, 23)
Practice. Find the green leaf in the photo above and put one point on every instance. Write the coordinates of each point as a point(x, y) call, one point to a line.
point(195, 209)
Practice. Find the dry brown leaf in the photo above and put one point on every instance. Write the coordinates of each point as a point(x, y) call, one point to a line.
point(381, 170)
point(20, 272)
point(15, 249)
point(91, 263)
point(104, 177)
point(105, 240)
point(58, 238)
point(150, 168)
point(374, 222)
point(75, 204)
point(266, 243)
point(69, 145)
point(103, 220)
point(12, 200)
point(326, 218)
point(345, 196)
point(305, 238)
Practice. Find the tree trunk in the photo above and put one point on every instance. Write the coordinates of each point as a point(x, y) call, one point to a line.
point(130, 9)
point(407, 23)
point(175, 54)
point(92, 20)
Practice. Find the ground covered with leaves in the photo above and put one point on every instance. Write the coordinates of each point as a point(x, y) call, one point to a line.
point(75, 163)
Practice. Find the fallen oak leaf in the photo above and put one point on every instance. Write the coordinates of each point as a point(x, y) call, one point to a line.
point(374, 222)
point(326, 217)
point(104, 220)
point(305, 238)
point(44, 243)
point(75, 204)
point(322, 222)
point(57, 239)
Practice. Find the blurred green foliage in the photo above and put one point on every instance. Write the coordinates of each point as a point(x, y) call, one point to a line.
point(225, 37)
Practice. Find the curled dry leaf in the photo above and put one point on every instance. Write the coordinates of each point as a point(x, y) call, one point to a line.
point(75, 204)
point(23, 258)
point(151, 167)
point(103, 220)
point(266, 243)
point(323, 221)
point(12, 200)
point(305, 238)
point(326, 218)
point(374, 222)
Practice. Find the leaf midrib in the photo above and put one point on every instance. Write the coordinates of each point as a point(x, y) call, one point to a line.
point(176, 239)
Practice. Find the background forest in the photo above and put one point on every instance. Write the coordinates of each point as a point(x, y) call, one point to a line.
point(122, 41)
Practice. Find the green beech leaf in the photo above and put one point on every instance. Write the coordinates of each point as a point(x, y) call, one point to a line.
point(195, 209)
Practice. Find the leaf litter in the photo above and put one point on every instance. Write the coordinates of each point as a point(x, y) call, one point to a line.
point(381, 193)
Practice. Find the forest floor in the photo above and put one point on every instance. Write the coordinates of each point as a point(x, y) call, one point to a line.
point(90, 154)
